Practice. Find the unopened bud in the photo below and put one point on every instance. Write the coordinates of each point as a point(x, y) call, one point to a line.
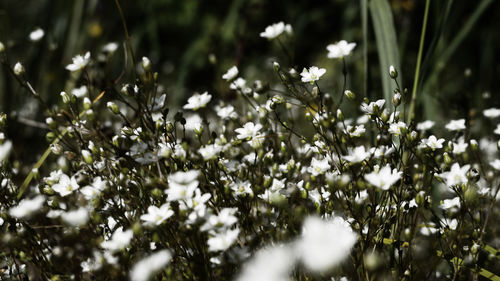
point(65, 97)
point(393, 72)
point(87, 104)
point(396, 99)
point(146, 64)
point(276, 66)
point(350, 95)
point(340, 115)
point(87, 156)
point(2, 47)
point(18, 69)
point(113, 107)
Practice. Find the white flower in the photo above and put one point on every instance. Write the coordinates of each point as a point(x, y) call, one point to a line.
point(497, 130)
point(65, 186)
point(149, 266)
point(80, 92)
point(239, 83)
point(495, 164)
point(450, 203)
point(432, 142)
point(79, 62)
point(324, 243)
point(198, 101)
point(193, 123)
point(241, 188)
point(231, 73)
point(357, 154)
point(37, 34)
point(269, 264)
point(426, 125)
point(210, 152)
point(460, 146)
point(369, 108)
point(276, 30)
point(156, 216)
point(92, 190)
point(249, 130)
point(397, 128)
point(77, 217)
point(5, 149)
point(225, 219)
point(383, 178)
point(226, 112)
point(355, 131)
point(182, 185)
point(222, 241)
point(491, 112)
point(313, 74)
point(340, 49)
point(456, 175)
point(119, 240)
point(318, 167)
point(456, 125)
point(18, 69)
point(27, 207)
point(110, 47)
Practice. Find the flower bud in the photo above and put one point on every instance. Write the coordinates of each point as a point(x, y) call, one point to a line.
point(3, 120)
point(146, 64)
point(87, 156)
point(340, 115)
point(393, 72)
point(56, 148)
point(396, 99)
point(473, 144)
point(350, 95)
point(65, 97)
point(2, 47)
point(315, 92)
point(113, 107)
point(87, 104)
point(276, 66)
point(18, 69)
point(116, 141)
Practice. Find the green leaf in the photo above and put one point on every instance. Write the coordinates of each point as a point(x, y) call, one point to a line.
point(385, 35)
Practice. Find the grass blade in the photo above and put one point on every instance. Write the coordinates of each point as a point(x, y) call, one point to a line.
point(385, 35)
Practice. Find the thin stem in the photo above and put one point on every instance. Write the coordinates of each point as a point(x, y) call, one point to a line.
point(127, 36)
point(419, 60)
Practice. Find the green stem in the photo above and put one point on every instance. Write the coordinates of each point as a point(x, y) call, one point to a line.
point(127, 36)
point(419, 60)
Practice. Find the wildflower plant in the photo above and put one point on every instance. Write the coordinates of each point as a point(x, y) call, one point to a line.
point(282, 183)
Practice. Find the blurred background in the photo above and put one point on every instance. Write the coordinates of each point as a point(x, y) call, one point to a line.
point(191, 43)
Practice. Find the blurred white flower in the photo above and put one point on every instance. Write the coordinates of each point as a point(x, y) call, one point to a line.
point(340, 49)
point(269, 264)
point(5, 149)
point(241, 188)
point(194, 123)
point(146, 268)
point(426, 125)
point(275, 30)
point(460, 146)
point(156, 216)
point(313, 74)
point(110, 47)
point(79, 62)
point(27, 207)
point(230, 74)
point(495, 164)
point(210, 151)
point(383, 178)
point(225, 219)
point(198, 101)
point(397, 128)
point(80, 92)
point(76, 217)
point(181, 185)
point(497, 130)
point(226, 112)
point(222, 241)
point(37, 34)
point(456, 125)
point(450, 203)
point(239, 83)
point(92, 190)
point(324, 243)
point(119, 240)
point(491, 112)
point(318, 167)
